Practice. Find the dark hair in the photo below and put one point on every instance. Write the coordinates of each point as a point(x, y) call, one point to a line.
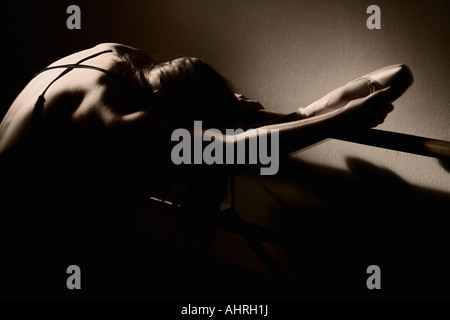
point(188, 89)
point(132, 71)
point(179, 91)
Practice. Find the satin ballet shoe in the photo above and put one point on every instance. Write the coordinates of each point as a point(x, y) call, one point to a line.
point(398, 77)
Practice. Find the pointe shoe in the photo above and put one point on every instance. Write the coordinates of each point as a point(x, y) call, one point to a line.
point(398, 77)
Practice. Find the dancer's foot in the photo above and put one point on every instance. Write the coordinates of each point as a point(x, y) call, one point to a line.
point(398, 77)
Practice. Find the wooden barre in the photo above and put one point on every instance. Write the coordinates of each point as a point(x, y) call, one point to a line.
point(399, 141)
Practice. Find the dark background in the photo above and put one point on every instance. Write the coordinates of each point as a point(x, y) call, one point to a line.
point(342, 206)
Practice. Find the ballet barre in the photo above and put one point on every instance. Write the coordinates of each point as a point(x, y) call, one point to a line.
point(399, 142)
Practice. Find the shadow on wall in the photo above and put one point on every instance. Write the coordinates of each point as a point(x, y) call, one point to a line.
point(445, 164)
point(340, 222)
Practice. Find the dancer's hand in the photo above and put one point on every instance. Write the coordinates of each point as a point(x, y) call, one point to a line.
point(248, 103)
point(369, 111)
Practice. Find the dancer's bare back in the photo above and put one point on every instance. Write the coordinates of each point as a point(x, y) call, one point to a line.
point(81, 97)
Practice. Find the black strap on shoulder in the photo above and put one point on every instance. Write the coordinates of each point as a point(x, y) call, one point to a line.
point(70, 67)
point(80, 66)
point(38, 107)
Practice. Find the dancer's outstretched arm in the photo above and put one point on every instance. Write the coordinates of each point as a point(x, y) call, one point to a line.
point(366, 112)
point(398, 77)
